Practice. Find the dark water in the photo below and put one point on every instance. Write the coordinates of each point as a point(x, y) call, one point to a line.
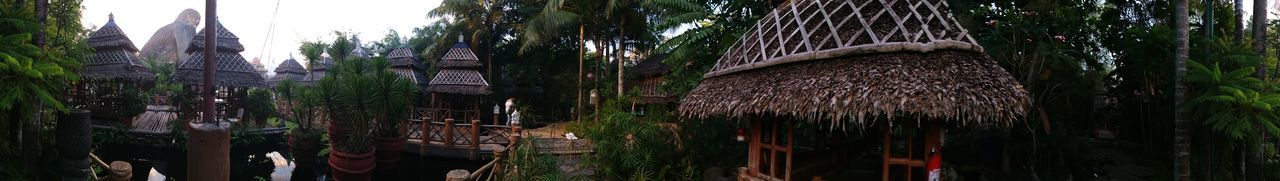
point(270, 162)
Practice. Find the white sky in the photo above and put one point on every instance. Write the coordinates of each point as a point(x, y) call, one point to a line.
point(296, 21)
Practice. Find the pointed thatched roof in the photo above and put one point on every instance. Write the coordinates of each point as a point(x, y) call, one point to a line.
point(114, 56)
point(290, 69)
point(359, 51)
point(652, 66)
point(458, 74)
point(319, 71)
point(856, 60)
point(233, 70)
point(407, 66)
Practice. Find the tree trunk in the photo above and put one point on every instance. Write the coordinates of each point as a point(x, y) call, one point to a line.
point(31, 129)
point(1239, 34)
point(1181, 138)
point(1253, 164)
point(621, 47)
point(582, 51)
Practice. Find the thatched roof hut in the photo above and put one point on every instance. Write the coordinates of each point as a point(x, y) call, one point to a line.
point(854, 60)
point(648, 78)
point(459, 73)
point(404, 63)
point(321, 68)
point(291, 70)
point(232, 70)
point(114, 56)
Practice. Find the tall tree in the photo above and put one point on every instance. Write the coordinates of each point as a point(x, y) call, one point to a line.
point(1239, 22)
point(313, 52)
point(1182, 136)
point(1253, 165)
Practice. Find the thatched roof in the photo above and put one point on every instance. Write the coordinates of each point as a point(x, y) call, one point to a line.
point(408, 67)
point(290, 69)
point(885, 59)
point(114, 56)
point(232, 69)
point(403, 57)
point(652, 66)
point(460, 56)
point(227, 41)
point(464, 80)
point(290, 66)
point(359, 51)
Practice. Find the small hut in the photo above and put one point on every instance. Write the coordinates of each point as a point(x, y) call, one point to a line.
point(321, 68)
point(114, 67)
point(648, 79)
point(290, 70)
point(233, 79)
point(404, 63)
point(457, 89)
point(896, 65)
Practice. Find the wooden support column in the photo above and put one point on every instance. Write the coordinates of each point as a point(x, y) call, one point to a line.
point(910, 162)
point(448, 133)
point(475, 139)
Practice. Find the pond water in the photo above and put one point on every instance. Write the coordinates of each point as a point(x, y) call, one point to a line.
point(270, 162)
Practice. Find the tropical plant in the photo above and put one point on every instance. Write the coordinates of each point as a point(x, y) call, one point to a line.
point(260, 105)
point(132, 102)
point(360, 93)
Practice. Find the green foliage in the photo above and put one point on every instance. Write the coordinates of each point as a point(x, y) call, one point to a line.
point(528, 164)
point(260, 104)
point(629, 147)
point(1233, 102)
point(302, 103)
point(360, 93)
point(132, 102)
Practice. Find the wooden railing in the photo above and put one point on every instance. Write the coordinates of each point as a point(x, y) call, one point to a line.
point(435, 126)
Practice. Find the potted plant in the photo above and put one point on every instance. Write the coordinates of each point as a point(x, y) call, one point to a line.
point(304, 138)
point(349, 104)
point(391, 99)
point(132, 103)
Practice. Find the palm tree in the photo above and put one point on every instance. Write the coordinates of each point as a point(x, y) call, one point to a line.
point(554, 19)
point(1182, 136)
point(1239, 33)
point(312, 51)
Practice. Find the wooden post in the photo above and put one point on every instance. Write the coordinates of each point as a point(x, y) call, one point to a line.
point(457, 175)
point(884, 172)
point(475, 139)
point(121, 171)
point(448, 133)
point(426, 137)
point(210, 148)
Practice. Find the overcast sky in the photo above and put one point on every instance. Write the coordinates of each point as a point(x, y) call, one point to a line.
point(295, 20)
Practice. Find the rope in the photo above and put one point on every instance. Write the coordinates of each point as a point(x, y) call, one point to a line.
point(271, 33)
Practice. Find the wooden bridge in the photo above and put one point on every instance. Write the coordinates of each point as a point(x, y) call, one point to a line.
point(447, 137)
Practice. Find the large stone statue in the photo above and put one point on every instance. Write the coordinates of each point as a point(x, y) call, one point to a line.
point(168, 43)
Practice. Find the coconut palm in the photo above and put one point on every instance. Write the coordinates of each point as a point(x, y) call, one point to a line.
point(1182, 135)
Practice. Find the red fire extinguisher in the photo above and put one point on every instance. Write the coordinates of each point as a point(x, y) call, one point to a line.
point(935, 164)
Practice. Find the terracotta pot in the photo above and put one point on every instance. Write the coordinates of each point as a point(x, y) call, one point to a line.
point(127, 121)
point(351, 166)
point(388, 151)
point(304, 151)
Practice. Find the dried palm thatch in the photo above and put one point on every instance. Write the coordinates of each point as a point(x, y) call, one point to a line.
point(859, 59)
point(232, 69)
point(403, 63)
point(290, 69)
point(114, 57)
point(458, 74)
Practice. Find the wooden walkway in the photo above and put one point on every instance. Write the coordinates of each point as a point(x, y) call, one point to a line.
point(475, 140)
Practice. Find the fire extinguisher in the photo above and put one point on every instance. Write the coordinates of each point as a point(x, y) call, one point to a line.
point(935, 164)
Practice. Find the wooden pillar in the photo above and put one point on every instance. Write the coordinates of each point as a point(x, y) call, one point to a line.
point(448, 132)
point(457, 175)
point(209, 151)
point(426, 136)
point(884, 154)
point(475, 139)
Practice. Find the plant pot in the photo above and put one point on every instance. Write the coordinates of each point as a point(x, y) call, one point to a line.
point(304, 151)
point(351, 166)
point(127, 121)
point(388, 151)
